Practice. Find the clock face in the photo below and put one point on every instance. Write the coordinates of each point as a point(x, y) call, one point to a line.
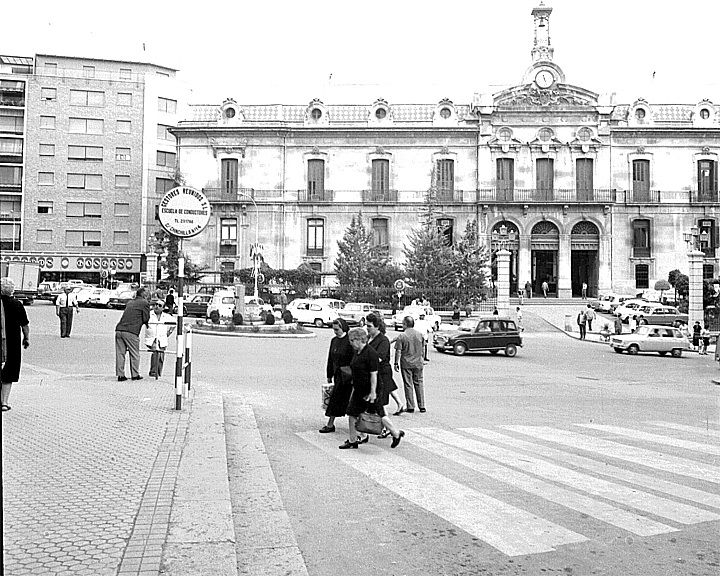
point(544, 79)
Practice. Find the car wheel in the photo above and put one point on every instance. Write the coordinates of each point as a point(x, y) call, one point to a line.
point(494, 351)
point(439, 349)
point(633, 349)
point(459, 349)
point(642, 322)
point(663, 353)
point(108, 306)
point(618, 350)
point(510, 350)
point(319, 323)
point(677, 352)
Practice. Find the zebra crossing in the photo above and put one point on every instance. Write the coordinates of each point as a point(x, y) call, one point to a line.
point(643, 490)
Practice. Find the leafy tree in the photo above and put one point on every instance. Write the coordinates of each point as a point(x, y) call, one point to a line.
point(680, 282)
point(354, 254)
point(662, 286)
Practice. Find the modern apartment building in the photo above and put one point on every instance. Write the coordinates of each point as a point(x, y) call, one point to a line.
point(586, 190)
point(91, 155)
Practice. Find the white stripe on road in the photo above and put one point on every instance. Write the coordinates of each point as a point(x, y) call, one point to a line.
point(642, 456)
point(599, 467)
point(691, 429)
point(441, 443)
point(657, 505)
point(657, 438)
point(511, 530)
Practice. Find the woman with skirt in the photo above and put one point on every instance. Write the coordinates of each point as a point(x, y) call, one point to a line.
point(338, 373)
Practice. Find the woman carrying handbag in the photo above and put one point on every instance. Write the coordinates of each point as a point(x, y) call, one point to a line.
point(338, 373)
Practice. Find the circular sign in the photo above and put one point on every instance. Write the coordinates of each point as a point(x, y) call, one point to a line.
point(261, 278)
point(399, 284)
point(184, 212)
point(103, 273)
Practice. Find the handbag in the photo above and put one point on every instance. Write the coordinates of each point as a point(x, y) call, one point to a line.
point(369, 423)
point(327, 390)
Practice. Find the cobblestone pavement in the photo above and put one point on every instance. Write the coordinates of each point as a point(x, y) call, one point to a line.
point(89, 469)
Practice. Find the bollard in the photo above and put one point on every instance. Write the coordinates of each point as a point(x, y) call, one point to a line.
point(568, 323)
point(188, 362)
point(180, 335)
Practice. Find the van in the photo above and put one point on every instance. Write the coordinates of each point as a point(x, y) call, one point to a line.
point(224, 302)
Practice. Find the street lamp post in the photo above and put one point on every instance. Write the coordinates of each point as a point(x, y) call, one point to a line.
point(695, 240)
point(255, 252)
point(501, 241)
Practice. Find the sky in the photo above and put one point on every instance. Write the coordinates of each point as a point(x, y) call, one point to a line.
point(405, 51)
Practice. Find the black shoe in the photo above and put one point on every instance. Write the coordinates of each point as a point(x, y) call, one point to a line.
point(423, 410)
point(364, 440)
point(122, 378)
point(137, 377)
point(396, 441)
point(348, 444)
point(325, 429)
point(410, 410)
point(400, 411)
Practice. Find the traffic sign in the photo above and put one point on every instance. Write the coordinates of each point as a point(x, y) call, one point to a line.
point(184, 212)
point(103, 273)
point(399, 284)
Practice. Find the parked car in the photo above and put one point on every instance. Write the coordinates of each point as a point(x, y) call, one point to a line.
point(100, 298)
point(415, 311)
point(83, 294)
point(331, 302)
point(651, 339)
point(354, 313)
point(120, 300)
point(629, 308)
point(602, 302)
point(659, 314)
point(491, 333)
point(224, 302)
point(196, 305)
point(315, 312)
point(612, 304)
point(258, 302)
point(49, 291)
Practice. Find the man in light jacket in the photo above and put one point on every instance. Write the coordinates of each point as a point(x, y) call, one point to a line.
point(159, 327)
point(65, 305)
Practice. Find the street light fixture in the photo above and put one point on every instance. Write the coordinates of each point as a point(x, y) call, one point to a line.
point(696, 239)
point(502, 238)
point(255, 251)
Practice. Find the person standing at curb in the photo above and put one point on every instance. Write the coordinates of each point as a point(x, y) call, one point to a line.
point(618, 325)
point(159, 328)
point(15, 322)
point(590, 315)
point(409, 357)
point(127, 335)
point(584, 293)
point(65, 304)
point(581, 320)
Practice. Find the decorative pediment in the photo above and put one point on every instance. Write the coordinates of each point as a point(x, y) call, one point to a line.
point(504, 140)
point(228, 148)
point(559, 95)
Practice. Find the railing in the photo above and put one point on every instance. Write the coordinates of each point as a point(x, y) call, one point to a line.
point(229, 194)
point(321, 196)
point(379, 196)
point(12, 101)
point(534, 195)
point(447, 196)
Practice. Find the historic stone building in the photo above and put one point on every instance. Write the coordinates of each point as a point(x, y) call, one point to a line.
point(587, 190)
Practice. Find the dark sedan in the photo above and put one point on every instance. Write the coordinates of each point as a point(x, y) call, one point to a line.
point(493, 333)
point(197, 305)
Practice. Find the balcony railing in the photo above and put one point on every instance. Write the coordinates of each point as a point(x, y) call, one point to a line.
point(382, 196)
point(317, 196)
point(448, 196)
point(534, 195)
point(6, 100)
point(229, 194)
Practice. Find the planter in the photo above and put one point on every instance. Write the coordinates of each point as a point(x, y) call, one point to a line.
point(261, 330)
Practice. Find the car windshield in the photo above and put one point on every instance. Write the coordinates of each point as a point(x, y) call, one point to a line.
point(467, 325)
point(643, 330)
point(351, 307)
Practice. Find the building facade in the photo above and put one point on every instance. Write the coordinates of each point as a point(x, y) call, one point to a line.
point(585, 189)
point(91, 155)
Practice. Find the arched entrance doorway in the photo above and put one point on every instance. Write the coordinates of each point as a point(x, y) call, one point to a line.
point(505, 235)
point(544, 246)
point(584, 246)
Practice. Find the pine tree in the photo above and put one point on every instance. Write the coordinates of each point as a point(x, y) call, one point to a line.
point(471, 262)
point(354, 254)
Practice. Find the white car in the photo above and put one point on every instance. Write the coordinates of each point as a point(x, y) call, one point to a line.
point(354, 313)
point(100, 298)
point(629, 309)
point(306, 311)
point(224, 302)
point(259, 302)
point(415, 311)
point(331, 302)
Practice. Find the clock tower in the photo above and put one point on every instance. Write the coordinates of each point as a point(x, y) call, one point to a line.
point(542, 50)
point(543, 72)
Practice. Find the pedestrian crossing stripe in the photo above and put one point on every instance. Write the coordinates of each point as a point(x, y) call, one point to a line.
point(514, 531)
point(690, 429)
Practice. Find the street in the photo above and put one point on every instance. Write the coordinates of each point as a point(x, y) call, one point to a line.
point(567, 459)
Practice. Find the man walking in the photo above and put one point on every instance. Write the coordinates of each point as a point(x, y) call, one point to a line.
point(581, 320)
point(409, 362)
point(545, 287)
point(65, 305)
point(127, 335)
point(590, 315)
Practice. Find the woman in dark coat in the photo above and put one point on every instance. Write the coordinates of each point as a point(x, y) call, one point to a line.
point(339, 356)
point(15, 322)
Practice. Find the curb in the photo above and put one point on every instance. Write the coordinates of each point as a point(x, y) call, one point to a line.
point(251, 334)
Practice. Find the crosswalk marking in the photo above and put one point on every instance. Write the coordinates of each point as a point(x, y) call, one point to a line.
point(642, 456)
point(433, 441)
point(692, 429)
point(657, 505)
point(599, 467)
point(657, 438)
point(511, 530)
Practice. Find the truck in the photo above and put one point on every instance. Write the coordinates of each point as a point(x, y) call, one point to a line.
point(25, 275)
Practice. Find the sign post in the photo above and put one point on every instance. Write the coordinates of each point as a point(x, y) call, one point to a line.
point(183, 212)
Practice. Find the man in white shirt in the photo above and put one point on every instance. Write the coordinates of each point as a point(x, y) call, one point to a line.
point(159, 327)
point(426, 330)
point(65, 304)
